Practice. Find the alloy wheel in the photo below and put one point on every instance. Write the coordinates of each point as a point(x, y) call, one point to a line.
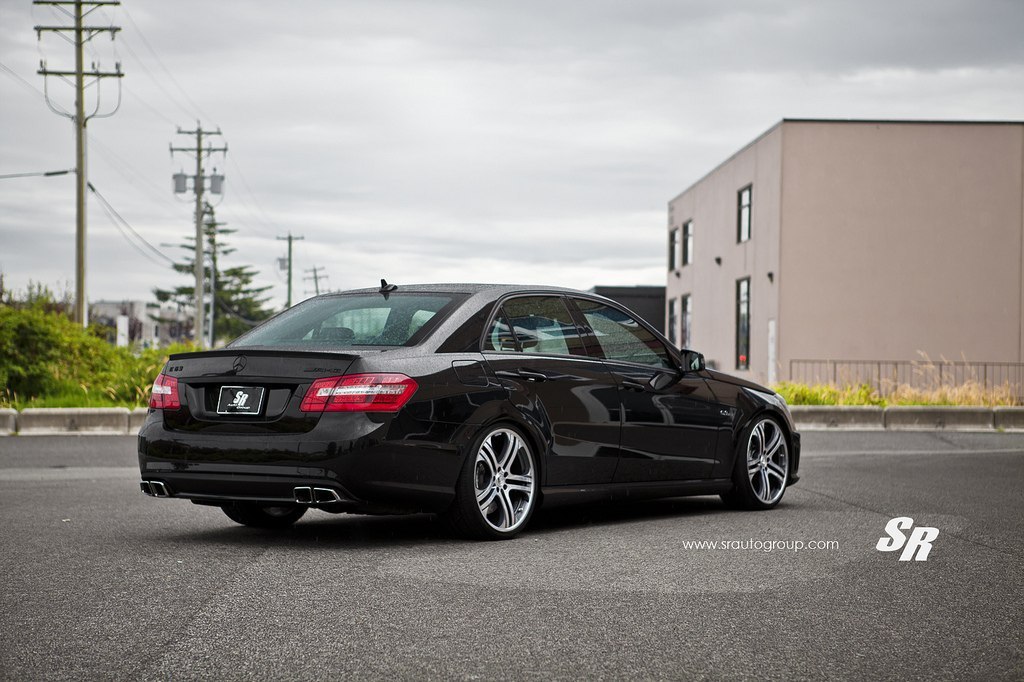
point(504, 480)
point(767, 461)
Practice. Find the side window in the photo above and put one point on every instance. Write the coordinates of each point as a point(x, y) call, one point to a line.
point(623, 338)
point(500, 337)
point(538, 324)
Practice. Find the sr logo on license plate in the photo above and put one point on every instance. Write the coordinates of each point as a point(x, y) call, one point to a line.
point(240, 400)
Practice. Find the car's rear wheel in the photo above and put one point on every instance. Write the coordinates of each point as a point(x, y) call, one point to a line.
point(260, 515)
point(762, 466)
point(497, 490)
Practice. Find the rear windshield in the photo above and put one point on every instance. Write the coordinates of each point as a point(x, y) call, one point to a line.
point(353, 320)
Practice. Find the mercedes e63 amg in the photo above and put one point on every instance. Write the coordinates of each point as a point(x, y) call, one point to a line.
point(481, 402)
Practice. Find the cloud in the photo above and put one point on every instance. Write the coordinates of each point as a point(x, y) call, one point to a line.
point(530, 141)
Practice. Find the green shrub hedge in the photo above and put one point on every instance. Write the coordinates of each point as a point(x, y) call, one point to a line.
point(46, 360)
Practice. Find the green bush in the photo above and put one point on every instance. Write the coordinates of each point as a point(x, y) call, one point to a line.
point(46, 360)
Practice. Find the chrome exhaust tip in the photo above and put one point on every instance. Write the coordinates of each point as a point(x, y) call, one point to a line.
point(303, 495)
point(155, 488)
point(326, 495)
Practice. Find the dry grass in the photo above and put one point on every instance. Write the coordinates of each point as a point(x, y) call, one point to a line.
point(970, 393)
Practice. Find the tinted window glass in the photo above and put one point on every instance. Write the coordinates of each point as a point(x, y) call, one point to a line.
point(542, 324)
point(499, 336)
point(623, 338)
point(351, 320)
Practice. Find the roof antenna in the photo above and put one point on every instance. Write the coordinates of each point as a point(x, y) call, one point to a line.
point(386, 288)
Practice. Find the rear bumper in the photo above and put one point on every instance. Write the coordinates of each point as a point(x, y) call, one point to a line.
point(375, 471)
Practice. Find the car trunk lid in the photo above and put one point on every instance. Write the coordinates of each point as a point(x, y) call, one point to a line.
point(248, 389)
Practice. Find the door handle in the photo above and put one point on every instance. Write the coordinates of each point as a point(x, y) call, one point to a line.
point(521, 373)
point(631, 385)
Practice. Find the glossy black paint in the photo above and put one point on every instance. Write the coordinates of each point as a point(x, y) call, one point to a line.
point(602, 429)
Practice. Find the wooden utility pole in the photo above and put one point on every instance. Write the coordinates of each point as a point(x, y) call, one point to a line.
point(316, 277)
point(80, 34)
point(290, 239)
point(198, 185)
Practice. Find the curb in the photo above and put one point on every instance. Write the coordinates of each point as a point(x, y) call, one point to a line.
point(58, 420)
point(8, 421)
point(38, 421)
point(1008, 418)
point(907, 418)
point(910, 417)
point(827, 417)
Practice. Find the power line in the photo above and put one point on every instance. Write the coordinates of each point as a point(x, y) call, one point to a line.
point(266, 221)
point(14, 74)
point(170, 76)
point(232, 313)
point(114, 214)
point(120, 165)
point(149, 106)
point(126, 238)
point(156, 81)
point(43, 174)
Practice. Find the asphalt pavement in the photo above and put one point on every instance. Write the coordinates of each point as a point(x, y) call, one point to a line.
point(100, 581)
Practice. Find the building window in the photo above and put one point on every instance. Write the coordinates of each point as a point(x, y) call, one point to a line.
point(673, 319)
point(674, 246)
point(687, 242)
point(743, 323)
point(686, 303)
point(743, 199)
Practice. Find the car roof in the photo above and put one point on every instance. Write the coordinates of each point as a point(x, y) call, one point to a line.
point(467, 288)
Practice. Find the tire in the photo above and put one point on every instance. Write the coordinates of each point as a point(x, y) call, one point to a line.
point(497, 490)
point(258, 515)
point(762, 466)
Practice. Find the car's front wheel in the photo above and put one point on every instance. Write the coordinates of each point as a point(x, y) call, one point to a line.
point(260, 515)
point(497, 490)
point(762, 466)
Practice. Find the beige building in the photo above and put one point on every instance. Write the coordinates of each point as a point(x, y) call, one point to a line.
point(834, 249)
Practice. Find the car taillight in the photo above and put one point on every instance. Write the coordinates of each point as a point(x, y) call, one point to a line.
point(165, 393)
point(359, 393)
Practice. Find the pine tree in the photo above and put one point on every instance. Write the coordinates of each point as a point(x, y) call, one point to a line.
point(239, 305)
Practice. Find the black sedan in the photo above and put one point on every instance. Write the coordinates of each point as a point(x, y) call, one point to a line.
point(481, 402)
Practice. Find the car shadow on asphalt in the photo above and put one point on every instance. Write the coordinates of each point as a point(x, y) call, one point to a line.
point(362, 531)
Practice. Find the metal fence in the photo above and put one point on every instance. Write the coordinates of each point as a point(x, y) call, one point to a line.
point(886, 375)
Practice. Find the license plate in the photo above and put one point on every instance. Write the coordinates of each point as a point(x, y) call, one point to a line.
point(240, 400)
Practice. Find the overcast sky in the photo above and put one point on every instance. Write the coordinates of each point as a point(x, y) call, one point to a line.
point(451, 140)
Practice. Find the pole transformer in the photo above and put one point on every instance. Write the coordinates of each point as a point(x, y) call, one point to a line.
point(80, 34)
point(198, 185)
point(290, 239)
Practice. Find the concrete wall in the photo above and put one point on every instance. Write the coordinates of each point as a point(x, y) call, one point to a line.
point(711, 204)
point(900, 239)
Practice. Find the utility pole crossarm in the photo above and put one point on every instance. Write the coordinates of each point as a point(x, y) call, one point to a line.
point(96, 3)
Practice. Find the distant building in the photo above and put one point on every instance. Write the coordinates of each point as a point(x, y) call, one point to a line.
point(844, 241)
point(142, 323)
point(646, 301)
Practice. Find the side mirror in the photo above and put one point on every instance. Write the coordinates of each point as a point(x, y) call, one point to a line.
point(693, 361)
